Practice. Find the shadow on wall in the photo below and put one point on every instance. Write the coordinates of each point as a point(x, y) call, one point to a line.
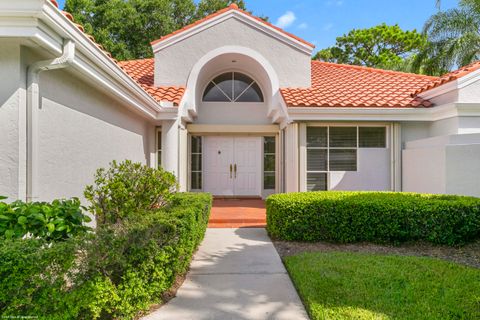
point(62, 89)
point(373, 172)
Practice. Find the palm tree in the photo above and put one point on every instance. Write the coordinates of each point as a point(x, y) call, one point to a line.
point(454, 39)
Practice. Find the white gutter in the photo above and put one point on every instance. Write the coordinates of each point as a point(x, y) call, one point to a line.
point(33, 104)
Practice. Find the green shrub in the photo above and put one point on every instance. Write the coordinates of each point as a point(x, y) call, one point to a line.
point(114, 273)
point(55, 221)
point(33, 278)
point(128, 187)
point(384, 217)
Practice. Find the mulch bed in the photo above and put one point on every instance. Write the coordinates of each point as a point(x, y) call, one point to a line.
point(468, 255)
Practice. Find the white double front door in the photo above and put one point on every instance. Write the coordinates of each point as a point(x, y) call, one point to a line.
point(232, 166)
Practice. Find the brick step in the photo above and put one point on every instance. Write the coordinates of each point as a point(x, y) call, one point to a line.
point(236, 225)
point(238, 220)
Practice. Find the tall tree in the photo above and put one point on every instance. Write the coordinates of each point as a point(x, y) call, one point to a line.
point(126, 27)
point(453, 38)
point(382, 46)
point(206, 7)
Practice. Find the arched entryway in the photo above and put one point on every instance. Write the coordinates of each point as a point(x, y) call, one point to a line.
point(234, 140)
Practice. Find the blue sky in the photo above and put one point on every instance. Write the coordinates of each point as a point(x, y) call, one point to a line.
point(321, 21)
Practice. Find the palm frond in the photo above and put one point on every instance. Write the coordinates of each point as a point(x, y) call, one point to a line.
point(453, 39)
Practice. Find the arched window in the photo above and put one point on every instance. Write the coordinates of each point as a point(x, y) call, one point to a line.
point(233, 87)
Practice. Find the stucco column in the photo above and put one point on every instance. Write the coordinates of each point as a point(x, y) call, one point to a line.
point(170, 143)
point(291, 158)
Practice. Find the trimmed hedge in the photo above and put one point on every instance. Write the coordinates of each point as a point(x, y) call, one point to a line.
point(382, 217)
point(115, 273)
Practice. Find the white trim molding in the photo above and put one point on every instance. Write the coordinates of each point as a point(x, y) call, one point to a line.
point(245, 18)
point(451, 86)
point(40, 22)
point(235, 129)
point(277, 109)
point(384, 114)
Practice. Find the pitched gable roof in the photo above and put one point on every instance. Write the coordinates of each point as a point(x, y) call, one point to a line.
point(232, 7)
point(449, 77)
point(333, 85)
point(134, 69)
point(142, 72)
point(338, 85)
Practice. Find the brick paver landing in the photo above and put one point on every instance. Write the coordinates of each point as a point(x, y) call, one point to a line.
point(237, 213)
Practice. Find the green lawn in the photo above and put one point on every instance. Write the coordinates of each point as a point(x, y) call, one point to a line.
point(365, 286)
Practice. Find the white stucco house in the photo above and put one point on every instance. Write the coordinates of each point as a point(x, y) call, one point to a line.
point(231, 104)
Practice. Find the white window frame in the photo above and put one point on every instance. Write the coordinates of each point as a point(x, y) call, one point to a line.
point(303, 147)
point(233, 71)
point(263, 161)
point(157, 149)
point(190, 168)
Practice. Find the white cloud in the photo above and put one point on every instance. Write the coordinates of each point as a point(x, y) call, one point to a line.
point(286, 19)
point(303, 26)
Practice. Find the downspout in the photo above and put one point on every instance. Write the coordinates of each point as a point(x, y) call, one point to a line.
point(33, 105)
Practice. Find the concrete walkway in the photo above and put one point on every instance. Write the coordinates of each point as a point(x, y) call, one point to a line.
point(236, 274)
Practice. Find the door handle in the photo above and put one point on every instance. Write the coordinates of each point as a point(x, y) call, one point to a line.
point(235, 169)
point(230, 171)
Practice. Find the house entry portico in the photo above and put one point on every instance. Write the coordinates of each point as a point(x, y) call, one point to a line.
point(233, 136)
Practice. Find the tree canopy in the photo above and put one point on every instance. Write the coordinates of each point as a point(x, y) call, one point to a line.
point(126, 27)
point(382, 46)
point(453, 39)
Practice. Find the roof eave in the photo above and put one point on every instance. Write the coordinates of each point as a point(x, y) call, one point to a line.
point(450, 86)
point(370, 114)
point(43, 23)
point(250, 20)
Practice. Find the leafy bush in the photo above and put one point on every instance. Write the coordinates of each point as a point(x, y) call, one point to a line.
point(128, 187)
point(33, 277)
point(384, 217)
point(114, 273)
point(58, 220)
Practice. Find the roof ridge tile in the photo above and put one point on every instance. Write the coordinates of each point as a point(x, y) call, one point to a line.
point(449, 77)
point(365, 68)
point(232, 7)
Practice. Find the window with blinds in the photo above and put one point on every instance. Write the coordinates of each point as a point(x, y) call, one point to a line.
point(331, 148)
point(372, 137)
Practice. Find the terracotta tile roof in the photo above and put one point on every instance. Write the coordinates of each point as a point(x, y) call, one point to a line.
point(69, 16)
point(337, 85)
point(144, 75)
point(449, 77)
point(142, 72)
point(231, 7)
